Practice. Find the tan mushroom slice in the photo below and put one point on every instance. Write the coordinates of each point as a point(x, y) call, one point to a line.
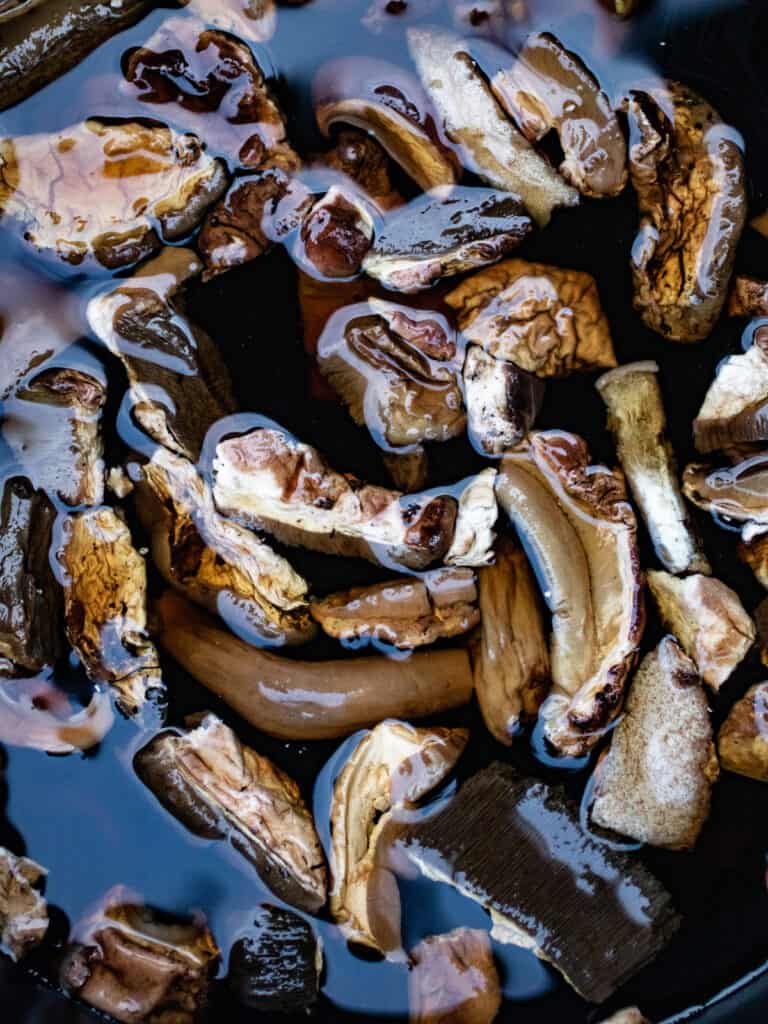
point(580, 531)
point(734, 408)
point(473, 537)
point(738, 493)
point(748, 297)
point(37, 714)
point(548, 87)
point(688, 171)
point(502, 401)
point(453, 979)
point(269, 480)
point(490, 144)
point(135, 177)
point(638, 423)
point(654, 782)
point(336, 234)
point(743, 738)
point(23, 911)
point(179, 385)
point(392, 767)
point(709, 621)
point(221, 789)
point(509, 655)
point(254, 20)
point(547, 320)
point(390, 104)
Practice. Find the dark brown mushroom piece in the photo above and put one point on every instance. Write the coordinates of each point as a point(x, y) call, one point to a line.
point(502, 401)
point(23, 910)
point(253, 20)
point(408, 470)
point(453, 979)
point(743, 738)
point(735, 408)
point(362, 159)
point(335, 235)
point(748, 297)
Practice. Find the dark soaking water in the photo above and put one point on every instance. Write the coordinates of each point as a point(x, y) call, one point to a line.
point(86, 817)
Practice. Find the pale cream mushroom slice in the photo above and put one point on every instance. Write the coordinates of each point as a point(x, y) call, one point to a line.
point(502, 401)
point(473, 538)
point(734, 408)
point(743, 738)
point(23, 910)
point(453, 979)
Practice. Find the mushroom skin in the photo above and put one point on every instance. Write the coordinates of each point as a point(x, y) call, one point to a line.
point(335, 235)
point(473, 537)
point(734, 408)
point(361, 158)
point(221, 789)
point(738, 493)
point(688, 172)
point(23, 911)
point(748, 297)
point(754, 553)
point(502, 401)
point(743, 738)
point(453, 979)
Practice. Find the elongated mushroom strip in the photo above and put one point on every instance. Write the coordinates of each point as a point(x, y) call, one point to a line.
point(515, 845)
point(654, 782)
point(216, 562)
point(749, 297)
point(23, 911)
point(637, 420)
point(743, 738)
point(453, 979)
point(688, 171)
point(36, 714)
point(491, 146)
point(473, 537)
point(179, 384)
point(269, 480)
point(105, 583)
point(734, 408)
point(221, 789)
point(393, 766)
point(254, 20)
point(308, 700)
point(709, 621)
point(738, 493)
point(548, 87)
point(502, 401)
point(510, 656)
point(580, 531)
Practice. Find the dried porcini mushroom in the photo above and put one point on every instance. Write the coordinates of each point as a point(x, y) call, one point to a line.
point(135, 177)
point(742, 742)
point(221, 789)
point(453, 979)
point(748, 297)
point(23, 911)
point(655, 779)
point(392, 767)
point(630, 1014)
point(445, 232)
point(581, 533)
point(510, 657)
point(360, 157)
point(254, 20)
point(336, 233)
point(708, 620)
point(502, 401)
point(390, 104)
point(515, 845)
point(473, 537)
point(547, 320)
point(738, 493)
point(548, 87)
point(268, 480)
point(37, 714)
point(490, 144)
point(216, 562)
point(754, 552)
point(637, 420)
point(734, 408)
point(688, 171)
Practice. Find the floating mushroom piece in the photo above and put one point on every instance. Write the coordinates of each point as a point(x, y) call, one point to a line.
point(502, 401)
point(473, 537)
point(336, 233)
point(221, 789)
point(709, 621)
point(36, 714)
point(637, 420)
point(687, 168)
point(515, 845)
point(307, 700)
point(743, 738)
point(254, 20)
point(734, 408)
point(392, 767)
point(580, 531)
point(453, 979)
point(748, 297)
point(23, 911)
point(738, 493)
point(655, 780)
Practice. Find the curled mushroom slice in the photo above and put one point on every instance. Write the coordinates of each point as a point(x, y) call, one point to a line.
point(580, 530)
point(473, 537)
point(688, 171)
point(35, 713)
point(734, 408)
point(502, 400)
point(548, 87)
point(453, 979)
point(221, 789)
point(637, 420)
point(308, 700)
point(738, 493)
point(23, 911)
point(392, 767)
point(390, 104)
point(748, 297)
point(743, 738)
point(336, 233)
point(254, 20)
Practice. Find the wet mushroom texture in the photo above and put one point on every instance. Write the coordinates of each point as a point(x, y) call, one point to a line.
point(738, 493)
point(453, 979)
point(743, 738)
point(362, 159)
point(23, 911)
point(252, 20)
point(734, 408)
point(335, 235)
point(474, 535)
point(748, 297)
point(502, 401)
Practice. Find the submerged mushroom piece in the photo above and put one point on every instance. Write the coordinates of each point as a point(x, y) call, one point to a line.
point(502, 401)
point(631, 1014)
point(361, 158)
point(734, 408)
point(254, 20)
point(748, 297)
point(336, 233)
point(743, 738)
point(654, 781)
point(473, 537)
point(221, 789)
point(37, 714)
point(23, 911)
point(453, 979)
point(688, 171)
point(738, 493)
point(393, 766)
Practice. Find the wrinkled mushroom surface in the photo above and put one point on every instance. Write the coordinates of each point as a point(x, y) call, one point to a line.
point(743, 738)
point(502, 401)
point(754, 553)
point(734, 408)
point(23, 911)
point(473, 537)
point(748, 297)
point(453, 979)
point(360, 157)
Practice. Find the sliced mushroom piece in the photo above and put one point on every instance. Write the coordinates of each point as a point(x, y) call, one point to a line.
point(23, 911)
point(738, 493)
point(254, 20)
point(491, 146)
point(735, 407)
point(453, 979)
point(36, 714)
point(336, 234)
point(638, 423)
point(221, 789)
point(687, 168)
point(655, 780)
point(709, 621)
point(502, 400)
point(743, 738)
point(362, 159)
point(392, 767)
point(473, 537)
point(748, 297)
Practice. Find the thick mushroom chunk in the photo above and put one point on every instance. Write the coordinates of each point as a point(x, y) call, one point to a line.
point(547, 320)
point(216, 562)
point(709, 621)
point(637, 420)
point(743, 738)
point(362, 159)
point(336, 233)
point(473, 537)
point(738, 493)
point(749, 297)
point(23, 911)
point(135, 177)
point(509, 654)
point(734, 408)
point(221, 789)
point(688, 171)
point(391, 768)
point(548, 87)
point(654, 782)
point(445, 232)
point(491, 146)
point(581, 533)
point(503, 401)
point(453, 979)
point(515, 845)
point(269, 480)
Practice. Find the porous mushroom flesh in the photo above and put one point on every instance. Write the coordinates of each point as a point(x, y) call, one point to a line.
point(734, 408)
point(737, 493)
point(453, 979)
point(473, 537)
point(748, 297)
point(742, 742)
point(23, 910)
point(502, 401)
